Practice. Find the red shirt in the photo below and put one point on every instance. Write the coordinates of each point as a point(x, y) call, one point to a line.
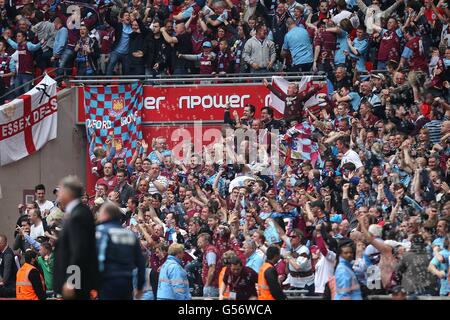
point(418, 61)
point(389, 46)
point(243, 284)
point(111, 183)
point(327, 42)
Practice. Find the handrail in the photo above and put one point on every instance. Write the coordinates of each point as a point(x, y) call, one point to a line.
point(190, 78)
point(30, 82)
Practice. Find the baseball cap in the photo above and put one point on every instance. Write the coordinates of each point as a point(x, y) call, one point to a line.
point(337, 218)
point(378, 76)
point(207, 44)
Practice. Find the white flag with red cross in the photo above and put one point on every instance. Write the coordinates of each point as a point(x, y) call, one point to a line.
point(28, 122)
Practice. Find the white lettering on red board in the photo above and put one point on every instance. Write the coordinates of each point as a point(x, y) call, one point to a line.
point(206, 102)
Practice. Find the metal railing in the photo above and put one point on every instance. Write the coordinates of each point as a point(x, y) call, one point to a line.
point(13, 93)
point(194, 79)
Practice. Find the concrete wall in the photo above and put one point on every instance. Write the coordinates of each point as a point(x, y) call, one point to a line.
point(62, 156)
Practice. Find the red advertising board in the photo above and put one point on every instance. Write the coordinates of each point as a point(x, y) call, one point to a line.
point(190, 103)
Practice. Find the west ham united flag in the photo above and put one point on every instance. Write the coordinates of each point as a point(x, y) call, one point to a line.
point(114, 114)
point(28, 122)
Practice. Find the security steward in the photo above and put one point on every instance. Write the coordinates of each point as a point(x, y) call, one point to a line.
point(30, 284)
point(119, 253)
point(268, 285)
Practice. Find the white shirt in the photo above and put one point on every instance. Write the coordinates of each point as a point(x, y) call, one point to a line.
point(353, 157)
point(324, 271)
point(305, 265)
point(161, 180)
point(47, 205)
point(37, 230)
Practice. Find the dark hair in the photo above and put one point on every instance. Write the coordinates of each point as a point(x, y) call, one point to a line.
point(272, 252)
point(39, 187)
point(252, 108)
point(345, 141)
point(23, 34)
point(157, 196)
point(122, 13)
point(235, 260)
point(30, 255)
point(259, 27)
point(47, 246)
point(269, 110)
point(39, 15)
point(121, 171)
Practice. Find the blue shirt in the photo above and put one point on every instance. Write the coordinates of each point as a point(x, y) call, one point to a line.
point(122, 47)
point(362, 46)
point(297, 41)
point(154, 158)
point(341, 45)
point(347, 286)
point(60, 41)
point(356, 100)
point(439, 242)
point(255, 261)
point(443, 266)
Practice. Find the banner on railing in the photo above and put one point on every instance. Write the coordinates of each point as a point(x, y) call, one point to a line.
point(114, 114)
point(28, 122)
point(192, 103)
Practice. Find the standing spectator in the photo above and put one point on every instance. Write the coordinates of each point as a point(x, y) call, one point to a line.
point(8, 270)
point(324, 47)
point(6, 72)
point(173, 283)
point(346, 285)
point(60, 43)
point(390, 42)
point(25, 66)
point(46, 262)
point(207, 59)
point(210, 265)
point(45, 31)
point(359, 48)
point(268, 285)
point(415, 55)
point(109, 178)
point(76, 244)
point(181, 44)
point(298, 257)
point(439, 266)
point(253, 259)
point(119, 253)
point(298, 43)
point(30, 283)
point(413, 269)
point(86, 53)
point(120, 49)
point(124, 189)
point(137, 49)
point(37, 224)
point(157, 51)
point(259, 52)
point(44, 205)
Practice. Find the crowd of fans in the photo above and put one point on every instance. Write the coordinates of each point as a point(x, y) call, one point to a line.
point(369, 216)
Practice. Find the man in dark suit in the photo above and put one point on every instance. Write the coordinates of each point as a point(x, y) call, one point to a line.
point(8, 270)
point(76, 265)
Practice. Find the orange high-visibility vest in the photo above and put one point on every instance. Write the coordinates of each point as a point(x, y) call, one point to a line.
point(24, 288)
point(263, 288)
point(226, 293)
